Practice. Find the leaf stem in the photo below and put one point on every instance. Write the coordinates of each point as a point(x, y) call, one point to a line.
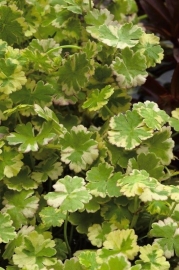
point(18, 117)
point(106, 107)
point(136, 215)
point(64, 47)
point(65, 235)
point(90, 5)
point(173, 208)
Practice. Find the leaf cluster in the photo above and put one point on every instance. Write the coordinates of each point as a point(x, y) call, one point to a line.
point(86, 176)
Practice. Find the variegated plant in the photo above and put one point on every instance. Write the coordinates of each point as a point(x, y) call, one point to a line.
point(85, 176)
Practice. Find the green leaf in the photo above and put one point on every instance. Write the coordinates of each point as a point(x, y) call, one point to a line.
point(52, 217)
point(116, 262)
point(7, 231)
point(152, 258)
point(128, 130)
point(25, 136)
point(117, 213)
point(120, 37)
point(129, 68)
point(139, 183)
point(87, 259)
point(84, 220)
point(10, 28)
point(119, 102)
point(97, 233)
point(123, 241)
point(149, 46)
point(78, 150)
point(49, 116)
point(47, 168)
point(11, 76)
point(102, 180)
point(159, 207)
point(36, 250)
point(79, 69)
point(161, 144)
point(98, 98)
point(10, 162)
point(43, 54)
point(20, 206)
point(32, 93)
point(174, 120)
point(153, 117)
point(148, 162)
point(167, 236)
point(70, 194)
point(73, 263)
point(21, 181)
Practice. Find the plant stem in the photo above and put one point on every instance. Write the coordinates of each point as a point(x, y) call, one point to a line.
point(173, 208)
point(65, 235)
point(136, 215)
point(106, 107)
point(18, 117)
point(90, 5)
point(64, 47)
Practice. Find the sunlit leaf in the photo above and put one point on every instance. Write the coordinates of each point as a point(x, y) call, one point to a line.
point(152, 258)
point(129, 68)
point(152, 115)
point(128, 130)
point(70, 194)
point(78, 150)
point(7, 231)
point(167, 236)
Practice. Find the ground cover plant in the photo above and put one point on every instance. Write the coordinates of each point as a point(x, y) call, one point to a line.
point(87, 175)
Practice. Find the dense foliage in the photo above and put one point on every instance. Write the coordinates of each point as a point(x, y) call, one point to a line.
point(87, 179)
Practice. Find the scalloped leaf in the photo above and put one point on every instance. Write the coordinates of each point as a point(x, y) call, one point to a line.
point(148, 162)
point(122, 241)
point(128, 130)
point(149, 46)
point(139, 183)
point(79, 69)
point(52, 217)
point(118, 36)
point(48, 168)
point(12, 78)
point(119, 102)
point(166, 234)
point(153, 117)
point(70, 194)
point(129, 68)
point(102, 181)
point(11, 163)
point(44, 54)
point(87, 259)
point(77, 149)
point(98, 98)
point(40, 93)
point(10, 30)
point(161, 144)
point(21, 181)
point(7, 231)
point(151, 258)
point(116, 262)
point(116, 212)
point(20, 206)
point(36, 251)
point(97, 233)
point(24, 136)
